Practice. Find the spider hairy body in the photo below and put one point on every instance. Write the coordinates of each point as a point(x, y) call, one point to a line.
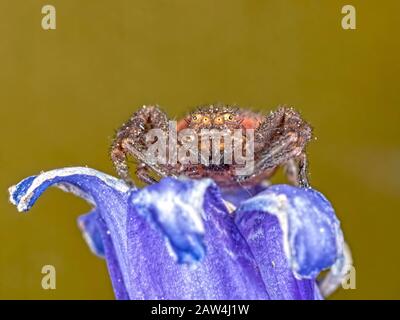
point(280, 139)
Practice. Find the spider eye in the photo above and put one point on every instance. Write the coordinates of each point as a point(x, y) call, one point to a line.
point(219, 120)
point(228, 117)
point(206, 120)
point(196, 118)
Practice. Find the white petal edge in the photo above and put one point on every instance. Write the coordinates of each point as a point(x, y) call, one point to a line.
point(23, 203)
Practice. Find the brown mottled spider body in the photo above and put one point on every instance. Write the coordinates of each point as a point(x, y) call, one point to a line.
point(280, 139)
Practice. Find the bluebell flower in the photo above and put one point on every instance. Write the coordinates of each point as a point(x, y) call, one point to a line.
point(185, 239)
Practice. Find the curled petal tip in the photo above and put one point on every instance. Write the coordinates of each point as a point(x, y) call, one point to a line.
point(312, 238)
point(18, 193)
point(175, 207)
point(109, 197)
point(24, 194)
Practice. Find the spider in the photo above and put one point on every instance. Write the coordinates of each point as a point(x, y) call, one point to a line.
point(280, 140)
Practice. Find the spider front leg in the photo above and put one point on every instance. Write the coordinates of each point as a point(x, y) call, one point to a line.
point(296, 171)
point(280, 140)
point(291, 170)
point(142, 172)
point(131, 139)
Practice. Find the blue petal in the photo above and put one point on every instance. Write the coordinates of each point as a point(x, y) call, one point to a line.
point(91, 232)
point(176, 209)
point(264, 236)
point(311, 234)
point(144, 233)
point(237, 196)
point(114, 266)
point(143, 236)
point(108, 194)
point(188, 218)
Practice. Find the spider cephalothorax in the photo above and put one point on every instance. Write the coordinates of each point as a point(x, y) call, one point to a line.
point(277, 139)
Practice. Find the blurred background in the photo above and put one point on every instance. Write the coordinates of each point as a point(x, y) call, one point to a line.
point(63, 93)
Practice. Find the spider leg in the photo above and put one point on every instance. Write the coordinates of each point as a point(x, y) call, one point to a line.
point(129, 146)
point(291, 170)
point(280, 152)
point(130, 139)
point(142, 172)
point(118, 157)
point(303, 172)
point(281, 140)
point(296, 171)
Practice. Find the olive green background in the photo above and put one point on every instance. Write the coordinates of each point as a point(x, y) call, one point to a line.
point(63, 93)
